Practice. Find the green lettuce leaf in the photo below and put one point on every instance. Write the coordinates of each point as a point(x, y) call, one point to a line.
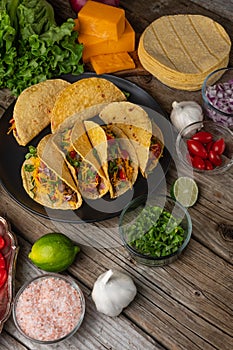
point(39, 49)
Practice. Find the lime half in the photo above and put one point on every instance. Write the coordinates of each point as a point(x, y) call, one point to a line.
point(185, 191)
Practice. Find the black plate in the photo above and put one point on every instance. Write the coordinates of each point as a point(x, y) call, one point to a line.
point(12, 156)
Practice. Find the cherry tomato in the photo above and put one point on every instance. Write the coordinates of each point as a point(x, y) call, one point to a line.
point(122, 175)
point(3, 277)
point(208, 146)
point(208, 165)
point(219, 146)
point(197, 149)
point(198, 162)
point(215, 158)
point(111, 139)
point(2, 242)
point(73, 154)
point(2, 262)
point(203, 137)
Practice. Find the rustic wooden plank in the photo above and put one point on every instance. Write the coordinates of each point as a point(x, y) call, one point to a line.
point(9, 343)
point(97, 331)
point(165, 295)
point(186, 305)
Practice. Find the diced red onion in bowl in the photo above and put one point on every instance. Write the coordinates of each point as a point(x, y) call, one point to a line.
point(220, 96)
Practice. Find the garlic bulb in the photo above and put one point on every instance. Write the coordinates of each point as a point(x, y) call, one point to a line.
point(185, 113)
point(113, 291)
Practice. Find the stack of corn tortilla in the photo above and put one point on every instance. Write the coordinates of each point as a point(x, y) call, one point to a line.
point(181, 50)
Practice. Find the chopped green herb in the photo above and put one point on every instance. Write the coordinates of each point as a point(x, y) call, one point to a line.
point(32, 152)
point(156, 232)
point(29, 167)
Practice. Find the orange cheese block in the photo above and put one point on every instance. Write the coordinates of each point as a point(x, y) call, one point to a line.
point(101, 20)
point(96, 46)
point(112, 62)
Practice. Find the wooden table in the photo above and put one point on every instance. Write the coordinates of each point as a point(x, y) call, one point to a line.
point(186, 305)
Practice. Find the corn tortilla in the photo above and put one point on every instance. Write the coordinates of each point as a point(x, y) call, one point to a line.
point(99, 142)
point(81, 95)
point(181, 50)
point(32, 111)
point(135, 123)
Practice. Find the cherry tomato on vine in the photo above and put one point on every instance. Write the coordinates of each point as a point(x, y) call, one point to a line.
point(3, 277)
point(203, 137)
point(198, 163)
point(197, 149)
point(219, 146)
point(215, 158)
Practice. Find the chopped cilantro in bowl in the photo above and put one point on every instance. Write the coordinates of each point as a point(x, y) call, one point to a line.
point(155, 231)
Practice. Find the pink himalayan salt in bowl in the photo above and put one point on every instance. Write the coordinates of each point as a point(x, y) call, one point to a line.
point(48, 309)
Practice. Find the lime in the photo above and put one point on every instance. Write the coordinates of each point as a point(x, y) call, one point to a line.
point(185, 191)
point(53, 252)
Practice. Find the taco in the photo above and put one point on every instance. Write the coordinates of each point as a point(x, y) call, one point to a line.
point(78, 154)
point(32, 111)
point(77, 151)
point(116, 154)
point(135, 123)
point(52, 187)
point(82, 94)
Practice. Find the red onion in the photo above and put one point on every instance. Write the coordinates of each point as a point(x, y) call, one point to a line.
point(220, 96)
point(78, 4)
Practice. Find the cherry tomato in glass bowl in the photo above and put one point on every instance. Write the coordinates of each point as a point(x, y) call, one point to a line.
point(208, 165)
point(197, 149)
point(218, 146)
point(217, 160)
point(203, 137)
point(198, 163)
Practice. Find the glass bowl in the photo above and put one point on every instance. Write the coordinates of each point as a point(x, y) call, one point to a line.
point(218, 131)
point(217, 95)
point(48, 309)
point(142, 233)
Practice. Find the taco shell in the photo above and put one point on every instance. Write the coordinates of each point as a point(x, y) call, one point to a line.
point(32, 111)
point(129, 164)
point(89, 176)
point(135, 123)
point(81, 95)
point(65, 194)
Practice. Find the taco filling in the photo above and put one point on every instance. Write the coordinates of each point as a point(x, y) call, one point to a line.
point(46, 183)
point(120, 168)
point(89, 181)
point(155, 152)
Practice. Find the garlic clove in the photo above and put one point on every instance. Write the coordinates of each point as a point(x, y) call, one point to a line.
point(185, 113)
point(112, 292)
